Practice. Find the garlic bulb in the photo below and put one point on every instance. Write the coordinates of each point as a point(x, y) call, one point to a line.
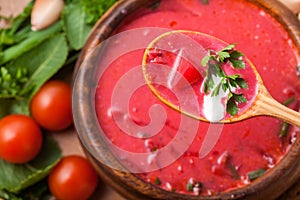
point(45, 13)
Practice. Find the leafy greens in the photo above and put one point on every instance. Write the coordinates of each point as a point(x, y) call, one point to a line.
point(27, 60)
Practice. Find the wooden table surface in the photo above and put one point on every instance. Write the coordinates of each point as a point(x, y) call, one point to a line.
point(68, 140)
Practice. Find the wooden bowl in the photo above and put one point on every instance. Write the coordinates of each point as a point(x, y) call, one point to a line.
point(269, 186)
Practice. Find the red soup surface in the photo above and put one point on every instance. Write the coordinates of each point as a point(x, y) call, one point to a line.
point(176, 152)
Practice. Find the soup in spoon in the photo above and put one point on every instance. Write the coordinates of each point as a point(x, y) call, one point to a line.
point(222, 90)
point(225, 83)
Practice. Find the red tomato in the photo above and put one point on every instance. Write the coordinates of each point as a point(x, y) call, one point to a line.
point(191, 74)
point(73, 178)
point(51, 106)
point(20, 138)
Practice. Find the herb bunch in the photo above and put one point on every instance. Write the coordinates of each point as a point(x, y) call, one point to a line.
point(228, 83)
point(27, 60)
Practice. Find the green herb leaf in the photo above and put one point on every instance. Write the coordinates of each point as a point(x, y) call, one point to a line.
point(38, 191)
point(157, 181)
point(235, 59)
point(285, 126)
point(96, 8)
point(288, 101)
point(209, 81)
point(52, 54)
point(214, 62)
point(239, 98)
point(189, 187)
point(74, 20)
point(27, 60)
point(216, 91)
point(205, 1)
point(228, 47)
point(238, 64)
point(205, 60)
point(15, 178)
point(232, 82)
point(232, 107)
point(241, 83)
point(236, 54)
point(255, 174)
point(284, 129)
point(33, 40)
point(223, 55)
point(234, 77)
point(234, 172)
point(18, 86)
point(14, 34)
point(12, 81)
point(8, 195)
point(9, 106)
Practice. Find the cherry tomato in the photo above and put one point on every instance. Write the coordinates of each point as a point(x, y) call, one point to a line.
point(73, 178)
point(51, 106)
point(20, 138)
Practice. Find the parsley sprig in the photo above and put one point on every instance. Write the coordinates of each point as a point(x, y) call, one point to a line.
point(11, 82)
point(215, 60)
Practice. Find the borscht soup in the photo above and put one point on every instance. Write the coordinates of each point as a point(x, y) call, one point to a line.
point(174, 151)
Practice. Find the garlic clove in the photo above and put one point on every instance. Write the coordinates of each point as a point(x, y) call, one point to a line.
point(45, 13)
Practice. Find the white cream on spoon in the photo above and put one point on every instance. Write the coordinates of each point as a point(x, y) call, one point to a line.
point(214, 109)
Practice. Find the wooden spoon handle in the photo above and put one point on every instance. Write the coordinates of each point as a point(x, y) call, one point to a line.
point(266, 105)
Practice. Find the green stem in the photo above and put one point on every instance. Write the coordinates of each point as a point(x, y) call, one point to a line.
point(204, 1)
point(22, 34)
point(288, 101)
point(234, 173)
point(20, 20)
point(255, 174)
point(32, 41)
point(284, 129)
point(285, 126)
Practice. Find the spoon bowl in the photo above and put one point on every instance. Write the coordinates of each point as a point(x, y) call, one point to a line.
point(182, 43)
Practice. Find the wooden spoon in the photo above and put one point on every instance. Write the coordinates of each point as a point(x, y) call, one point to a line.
point(262, 104)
